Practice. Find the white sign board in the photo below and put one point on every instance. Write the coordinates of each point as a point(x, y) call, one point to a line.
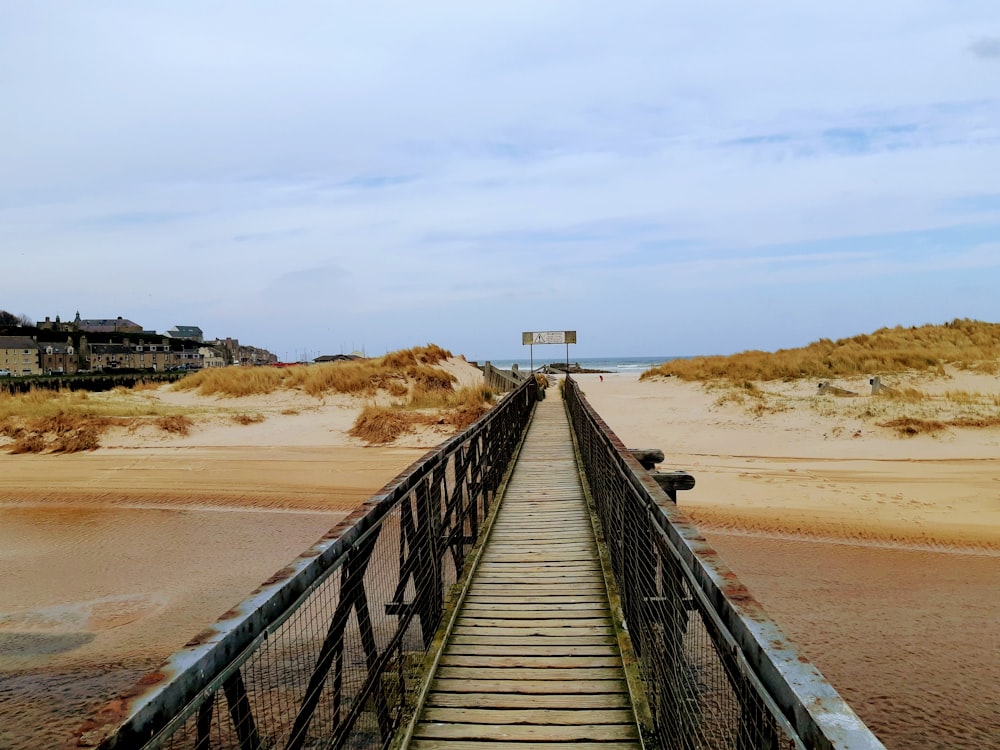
point(548, 337)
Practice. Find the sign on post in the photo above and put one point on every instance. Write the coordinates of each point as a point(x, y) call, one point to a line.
point(548, 337)
point(530, 338)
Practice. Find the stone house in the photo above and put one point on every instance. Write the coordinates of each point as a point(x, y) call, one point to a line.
point(19, 355)
point(126, 355)
point(211, 357)
point(106, 325)
point(58, 357)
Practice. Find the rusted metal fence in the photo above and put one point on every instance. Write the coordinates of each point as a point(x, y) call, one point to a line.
point(717, 671)
point(326, 653)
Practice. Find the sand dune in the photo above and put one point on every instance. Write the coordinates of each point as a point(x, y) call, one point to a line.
point(815, 465)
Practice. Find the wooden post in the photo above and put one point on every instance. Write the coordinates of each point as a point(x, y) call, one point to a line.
point(672, 481)
point(647, 457)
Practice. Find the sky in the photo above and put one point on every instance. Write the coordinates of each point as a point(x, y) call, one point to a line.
point(664, 178)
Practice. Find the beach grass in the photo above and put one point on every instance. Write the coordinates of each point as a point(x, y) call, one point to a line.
point(420, 392)
point(378, 424)
point(964, 344)
point(72, 421)
point(763, 383)
point(393, 373)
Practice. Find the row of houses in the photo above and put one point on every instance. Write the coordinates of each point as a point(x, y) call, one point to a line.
point(62, 347)
point(25, 355)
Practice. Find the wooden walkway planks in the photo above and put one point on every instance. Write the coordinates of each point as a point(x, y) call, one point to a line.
point(533, 659)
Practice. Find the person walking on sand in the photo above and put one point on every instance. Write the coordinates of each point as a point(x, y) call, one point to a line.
point(601, 377)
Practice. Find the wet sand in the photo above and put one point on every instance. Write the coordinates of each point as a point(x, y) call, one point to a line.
point(96, 596)
point(910, 638)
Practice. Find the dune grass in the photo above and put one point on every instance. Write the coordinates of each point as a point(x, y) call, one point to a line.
point(965, 344)
point(365, 377)
point(380, 424)
point(245, 418)
point(422, 393)
point(72, 421)
point(753, 380)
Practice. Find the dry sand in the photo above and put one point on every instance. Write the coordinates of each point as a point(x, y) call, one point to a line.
point(879, 555)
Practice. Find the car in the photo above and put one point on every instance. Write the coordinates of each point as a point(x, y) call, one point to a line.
point(4, 373)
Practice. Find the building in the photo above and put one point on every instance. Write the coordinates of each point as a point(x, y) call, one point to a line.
point(188, 358)
point(19, 355)
point(192, 333)
point(211, 357)
point(57, 325)
point(106, 325)
point(57, 358)
point(248, 356)
point(140, 356)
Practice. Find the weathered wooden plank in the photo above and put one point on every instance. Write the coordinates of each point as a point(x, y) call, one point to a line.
point(435, 744)
point(530, 674)
point(597, 701)
point(471, 621)
point(519, 607)
point(533, 569)
point(552, 600)
point(534, 553)
point(544, 687)
point(534, 558)
point(531, 649)
point(486, 588)
point(563, 733)
point(555, 641)
point(611, 661)
point(539, 554)
point(543, 716)
point(541, 544)
point(541, 580)
point(553, 617)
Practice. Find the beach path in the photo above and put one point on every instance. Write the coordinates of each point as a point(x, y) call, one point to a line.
point(533, 656)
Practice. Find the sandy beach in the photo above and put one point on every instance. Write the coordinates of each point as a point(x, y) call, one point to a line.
point(816, 465)
point(879, 555)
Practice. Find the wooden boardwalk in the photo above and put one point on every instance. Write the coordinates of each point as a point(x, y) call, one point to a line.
point(533, 660)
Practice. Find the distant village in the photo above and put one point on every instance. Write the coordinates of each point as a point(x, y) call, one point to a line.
point(55, 347)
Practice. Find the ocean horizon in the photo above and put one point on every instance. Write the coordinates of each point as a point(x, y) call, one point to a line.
point(611, 364)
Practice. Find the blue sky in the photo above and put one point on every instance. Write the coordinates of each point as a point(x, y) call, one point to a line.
point(664, 178)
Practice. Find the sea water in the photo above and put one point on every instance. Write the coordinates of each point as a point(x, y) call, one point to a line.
point(608, 364)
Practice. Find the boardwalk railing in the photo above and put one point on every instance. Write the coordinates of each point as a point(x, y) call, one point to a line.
point(325, 652)
point(503, 380)
point(717, 671)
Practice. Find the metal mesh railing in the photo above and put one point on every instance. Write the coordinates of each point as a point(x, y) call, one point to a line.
point(717, 672)
point(328, 652)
